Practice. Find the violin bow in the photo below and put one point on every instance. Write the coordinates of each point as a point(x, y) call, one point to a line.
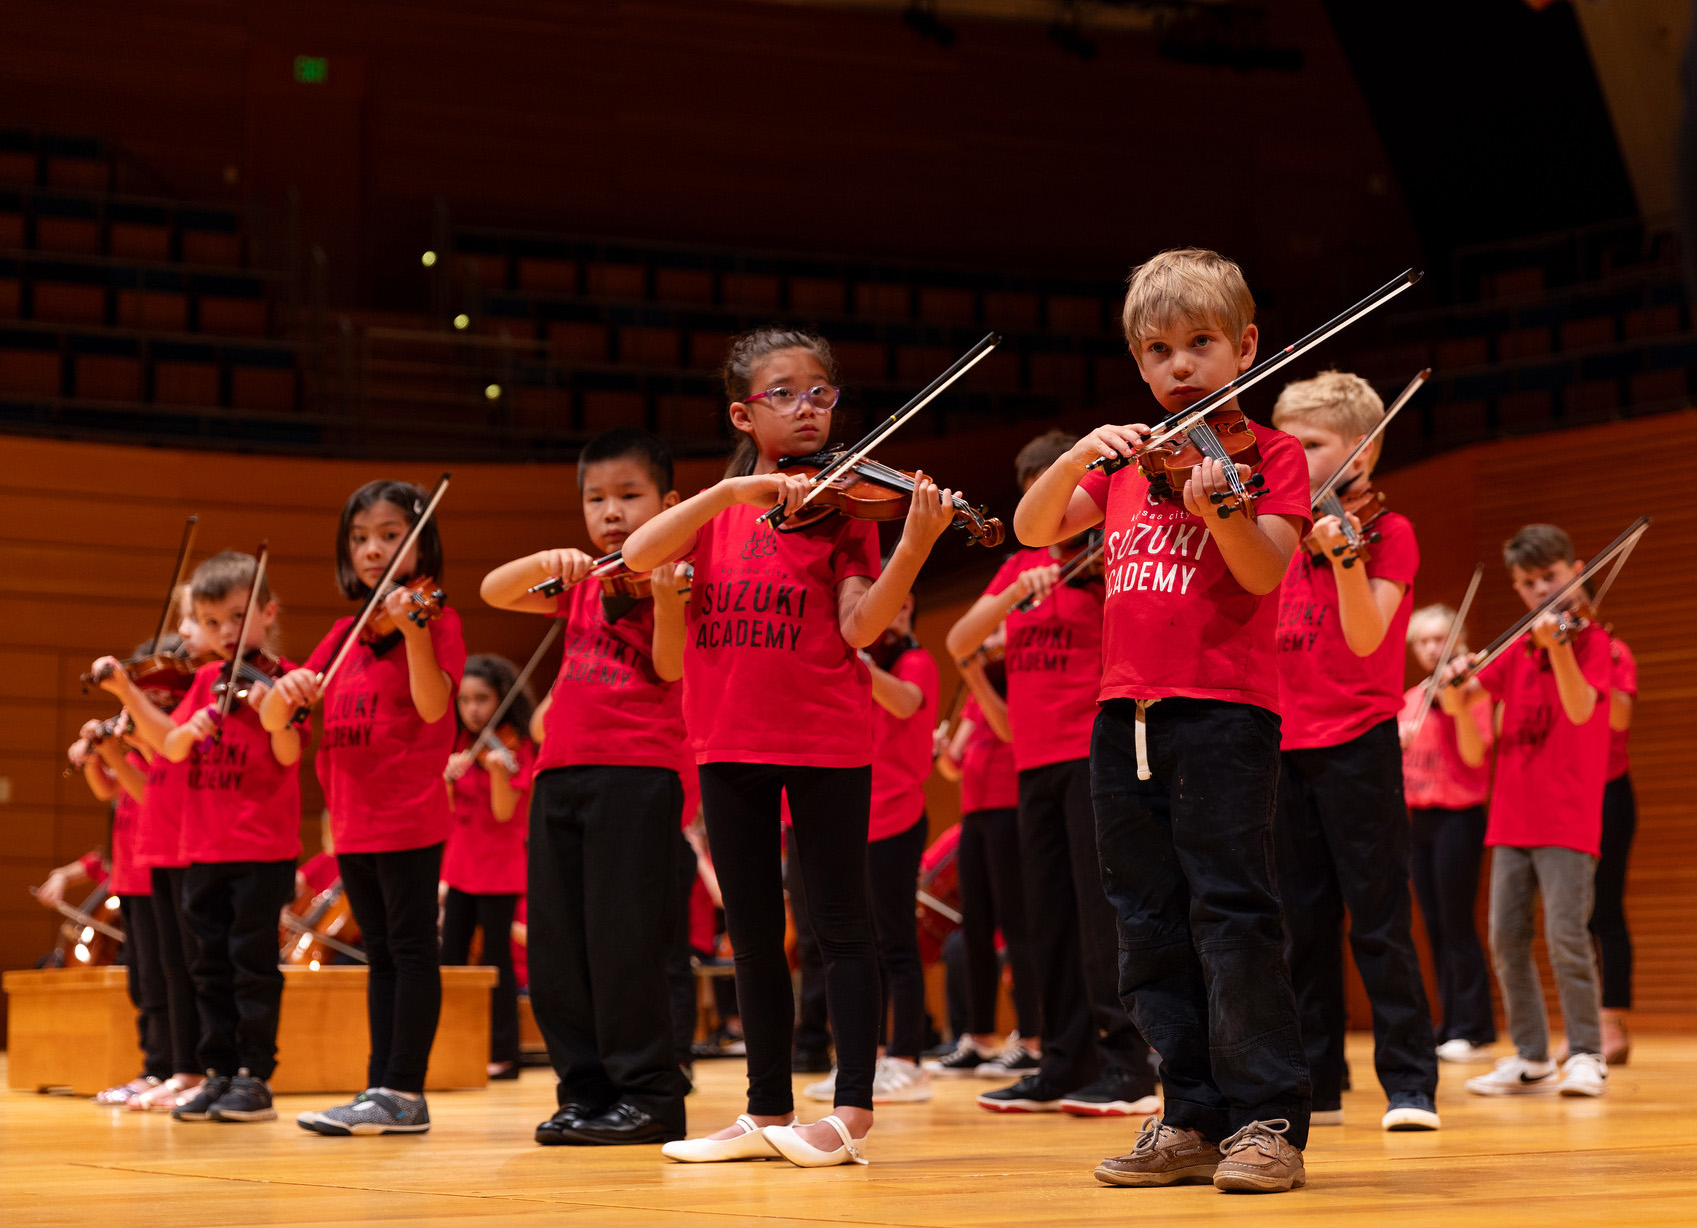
point(1078, 563)
point(1178, 424)
point(189, 529)
point(1395, 407)
point(85, 919)
point(553, 586)
point(1620, 546)
point(226, 701)
point(889, 426)
point(1429, 691)
point(518, 685)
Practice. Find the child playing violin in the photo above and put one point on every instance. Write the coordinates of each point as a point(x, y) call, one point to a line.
point(483, 866)
point(604, 813)
point(1620, 824)
point(1446, 777)
point(240, 836)
point(388, 729)
point(1341, 835)
point(1188, 700)
point(1545, 824)
point(778, 703)
point(1094, 1063)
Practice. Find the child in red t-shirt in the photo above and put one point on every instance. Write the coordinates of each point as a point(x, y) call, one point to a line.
point(1189, 702)
point(1341, 836)
point(388, 731)
point(240, 834)
point(1446, 776)
point(483, 866)
point(1094, 1063)
point(1545, 825)
point(605, 832)
point(777, 703)
point(1620, 824)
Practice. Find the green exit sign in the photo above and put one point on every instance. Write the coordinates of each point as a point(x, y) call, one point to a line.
point(312, 69)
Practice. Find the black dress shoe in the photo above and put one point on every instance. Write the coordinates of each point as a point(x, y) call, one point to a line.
point(568, 1114)
point(622, 1125)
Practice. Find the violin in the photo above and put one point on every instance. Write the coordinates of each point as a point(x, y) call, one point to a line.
point(1574, 617)
point(870, 490)
point(1366, 504)
point(505, 751)
point(1223, 434)
point(1085, 564)
point(259, 668)
point(424, 598)
point(90, 936)
point(937, 900)
point(164, 677)
point(316, 928)
point(889, 647)
point(621, 581)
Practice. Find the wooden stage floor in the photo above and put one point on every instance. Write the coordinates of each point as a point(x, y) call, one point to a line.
point(1628, 1159)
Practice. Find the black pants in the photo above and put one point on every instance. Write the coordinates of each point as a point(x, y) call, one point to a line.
point(829, 809)
point(956, 990)
point(1608, 913)
point(231, 908)
point(1447, 848)
point(892, 878)
point(680, 974)
point(393, 895)
point(1085, 1025)
point(602, 915)
point(464, 913)
point(813, 1008)
point(1341, 842)
point(1187, 862)
point(992, 896)
point(176, 956)
point(146, 983)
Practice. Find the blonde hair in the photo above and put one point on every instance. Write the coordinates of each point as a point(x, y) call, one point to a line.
point(1336, 401)
point(1437, 612)
point(1186, 284)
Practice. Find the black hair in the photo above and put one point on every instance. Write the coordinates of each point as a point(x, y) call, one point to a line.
point(746, 352)
point(411, 501)
point(633, 442)
point(500, 674)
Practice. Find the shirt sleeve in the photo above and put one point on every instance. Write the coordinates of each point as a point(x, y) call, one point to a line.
point(1286, 473)
point(1596, 662)
point(857, 551)
point(1396, 557)
point(1005, 575)
point(1625, 669)
point(449, 642)
point(920, 668)
point(92, 865)
point(1494, 677)
point(1095, 484)
point(319, 661)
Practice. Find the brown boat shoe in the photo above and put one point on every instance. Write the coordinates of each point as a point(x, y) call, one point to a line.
point(1162, 1155)
point(1258, 1160)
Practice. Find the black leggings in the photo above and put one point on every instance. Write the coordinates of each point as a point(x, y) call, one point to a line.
point(892, 877)
point(992, 897)
point(146, 984)
point(1447, 848)
point(1608, 914)
point(829, 808)
point(393, 895)
point(176, 954)
point(463, 913)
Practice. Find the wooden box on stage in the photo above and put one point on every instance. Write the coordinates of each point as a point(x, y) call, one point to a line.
point(75, 1028)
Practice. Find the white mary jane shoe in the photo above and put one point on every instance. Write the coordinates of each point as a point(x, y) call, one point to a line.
point(799, 1152)
point(751, 1144)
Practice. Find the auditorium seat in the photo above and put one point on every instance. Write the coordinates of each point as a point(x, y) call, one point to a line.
point(1459, 422)
point(861, 361)
point(815, 296)
point(30, 364)
point(67, 224)
point(10, 294)
point(556, 276)
point(940, 305)
point(1588, 333)
point(107, 377)
point(621, 282)
point(687, 286)
point(234, 317)
point(1455, 352)
point(879, 300)
point(578, 342)
point(1074, 313)
point(751, 290)
point(157, 310)
point(69, 302)
point(210, 236)
point(185, 381)
point(1529, 409)
point(1523, 343)
point(487, 272)
point(1660, 320)
point(707, 350)
point(690, 417)
point(1590, 401)
point(1660, 387)
point(604, 409)
point(267, 387)
point(1011, 309)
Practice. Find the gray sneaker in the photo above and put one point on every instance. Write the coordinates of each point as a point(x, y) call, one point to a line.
point(371, 1112)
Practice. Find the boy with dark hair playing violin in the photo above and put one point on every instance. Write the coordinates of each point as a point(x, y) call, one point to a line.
point(604, 815)
point(240, 835)
point(1545, 824)
point(1093, 1061)
point(1341, 838)
point(1190, 706)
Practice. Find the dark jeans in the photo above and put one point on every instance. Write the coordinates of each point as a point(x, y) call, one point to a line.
point(464, 913)
point(393, 895)
point(1187, 862)
point(176, 955)
point(992, 897)
point(813, 1009)
point(231, 908)
point(680, 974)
point(892, 878)
point(603, 920)
point(829, 808)
point(146, 983)
point(1447, 848)
point(1071, 922)
point(1608, 914)
point(1341, 842)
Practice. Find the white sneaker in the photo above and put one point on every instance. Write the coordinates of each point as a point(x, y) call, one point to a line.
point(967, 1057)
point(1012, 1061)
point(899, 1081)
point(1459, 1050)
point(1515, 1076)
point(825, 1089)
point(1586, 1074)
point(1326, 1117)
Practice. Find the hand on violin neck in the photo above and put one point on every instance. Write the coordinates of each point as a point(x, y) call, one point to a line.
point(111, 676)
point(931, 511)
point(1208, 479)
point(458, 764)
point(297, 689)
point(668, 584)
point(1330, 540)
point(569, 564)
point(1548, 631)
point(400, 605)
point(1035, 585)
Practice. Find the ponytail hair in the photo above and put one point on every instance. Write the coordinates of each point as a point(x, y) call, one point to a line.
point(746, 353)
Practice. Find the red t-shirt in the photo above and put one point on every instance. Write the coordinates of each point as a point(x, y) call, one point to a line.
point(380, 764)
point(320, 872)
point(1327, 694)
point(610, 707)
point(1054, 666)
point(988, 778)
point(1548, 785)
point(93, 865)
point(129, 876)
point(1625, 680)
point(484, 855)
point(239, 804)
point(1433, 773)
point(160, 842)
point(1177, 622)
point(901, 750)
point(770, 677)
point(521, 951)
